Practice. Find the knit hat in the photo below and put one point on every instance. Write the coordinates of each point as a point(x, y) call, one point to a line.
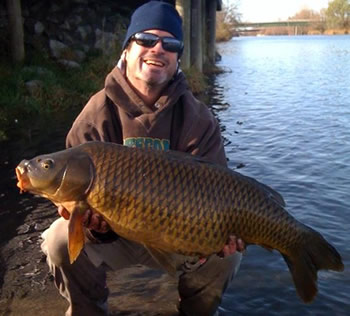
point(155, 15)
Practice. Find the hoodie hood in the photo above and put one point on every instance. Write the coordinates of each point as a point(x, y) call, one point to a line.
point(120, 92)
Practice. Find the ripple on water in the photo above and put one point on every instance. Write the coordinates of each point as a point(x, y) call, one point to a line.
point(293, 96)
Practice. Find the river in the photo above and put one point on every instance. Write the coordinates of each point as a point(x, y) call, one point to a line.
point(284, 107)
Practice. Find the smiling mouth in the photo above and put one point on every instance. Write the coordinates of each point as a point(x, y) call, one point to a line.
point(154, 62)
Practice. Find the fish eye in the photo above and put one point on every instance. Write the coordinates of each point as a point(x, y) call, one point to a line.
point(46, 164)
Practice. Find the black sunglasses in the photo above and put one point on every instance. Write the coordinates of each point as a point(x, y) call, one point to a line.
point(169, 44)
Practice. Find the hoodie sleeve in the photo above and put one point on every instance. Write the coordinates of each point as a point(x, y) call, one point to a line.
point(98, 121)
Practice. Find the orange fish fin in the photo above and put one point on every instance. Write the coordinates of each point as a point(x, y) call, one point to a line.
point(164, 259)
point(76, 236)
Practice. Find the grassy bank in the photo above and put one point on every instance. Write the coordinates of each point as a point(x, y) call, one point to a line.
point(42, 95)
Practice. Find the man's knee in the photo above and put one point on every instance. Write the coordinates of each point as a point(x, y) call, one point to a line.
point(202, 289)
point(55, 242)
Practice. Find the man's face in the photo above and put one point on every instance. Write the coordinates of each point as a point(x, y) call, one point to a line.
point(152, 66)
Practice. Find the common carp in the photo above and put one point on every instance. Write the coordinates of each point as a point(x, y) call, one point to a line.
point(175, 203)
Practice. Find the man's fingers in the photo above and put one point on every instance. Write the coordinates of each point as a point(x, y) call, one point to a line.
point(235, 244)
point(104, 227)
point(95, 222)
point(87, 218)
point(240, 245)
point(63, 212)
point(232, 245)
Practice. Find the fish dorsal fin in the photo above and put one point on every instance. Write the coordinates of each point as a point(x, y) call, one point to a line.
point(272, 194)
point(164, 259)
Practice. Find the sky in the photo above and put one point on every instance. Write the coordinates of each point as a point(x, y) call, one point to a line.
point(275, 10)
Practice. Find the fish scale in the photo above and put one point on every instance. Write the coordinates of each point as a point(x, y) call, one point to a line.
point(177, 203)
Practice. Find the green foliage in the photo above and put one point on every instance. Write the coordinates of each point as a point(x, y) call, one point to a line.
point(338, 14)
point(43, 94)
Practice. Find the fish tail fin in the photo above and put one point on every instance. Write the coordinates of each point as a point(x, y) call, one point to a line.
point(304, 262)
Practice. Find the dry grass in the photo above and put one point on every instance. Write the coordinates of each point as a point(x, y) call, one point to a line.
point(337, 32)
point(197, 81)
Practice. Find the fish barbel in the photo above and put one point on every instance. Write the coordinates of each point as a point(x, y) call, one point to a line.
point(175, 203)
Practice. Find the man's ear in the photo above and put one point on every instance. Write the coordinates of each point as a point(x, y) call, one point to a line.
point(122, 61)
point(123, 55)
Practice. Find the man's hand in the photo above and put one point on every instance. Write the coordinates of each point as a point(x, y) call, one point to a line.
point(232, 245)
point(93, 221)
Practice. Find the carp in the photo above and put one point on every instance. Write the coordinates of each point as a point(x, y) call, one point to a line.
point(173, 202)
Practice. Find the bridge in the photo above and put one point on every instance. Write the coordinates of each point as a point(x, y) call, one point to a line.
point(257, 26)
point(276, 23)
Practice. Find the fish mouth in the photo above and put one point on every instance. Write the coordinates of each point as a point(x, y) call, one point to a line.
point(22, 177)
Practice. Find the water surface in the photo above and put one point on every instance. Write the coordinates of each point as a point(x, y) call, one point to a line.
point(284, 107)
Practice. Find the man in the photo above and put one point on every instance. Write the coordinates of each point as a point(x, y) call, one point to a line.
point(146, 102)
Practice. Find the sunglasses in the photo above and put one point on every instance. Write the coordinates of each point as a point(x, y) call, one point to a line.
point(149, 40)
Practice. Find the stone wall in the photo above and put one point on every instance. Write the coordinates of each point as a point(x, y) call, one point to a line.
point(68, 30)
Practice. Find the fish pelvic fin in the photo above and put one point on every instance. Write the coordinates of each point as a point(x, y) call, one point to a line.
point(313, 255)
point(76, 235)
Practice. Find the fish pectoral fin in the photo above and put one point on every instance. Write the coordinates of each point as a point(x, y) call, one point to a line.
point(164, 259)
point(76, 236)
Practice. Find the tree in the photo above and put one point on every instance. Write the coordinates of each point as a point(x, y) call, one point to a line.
point(227, 20)
point(338, 14)
point(16, 30)
point(306, 14)
point(317, 21)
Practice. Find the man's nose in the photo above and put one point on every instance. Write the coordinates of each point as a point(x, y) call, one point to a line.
point(158, 47)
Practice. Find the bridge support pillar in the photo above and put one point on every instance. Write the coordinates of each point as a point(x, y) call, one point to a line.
point(184, 9)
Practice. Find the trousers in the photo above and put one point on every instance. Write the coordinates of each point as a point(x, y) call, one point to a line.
point(83, 283)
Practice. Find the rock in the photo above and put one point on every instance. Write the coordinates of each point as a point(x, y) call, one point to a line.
point(105, 41)
point(83, 31)
point(86, 48)
point(54, 8)
point(39, 28)
point(40, 71)
point(69, 63)
point(33, 86)
point(57, 48)
point(65, 26)
point(68, 39)
point(75, 20)
point(80, 55)
point(81, 1)
point(217, 56)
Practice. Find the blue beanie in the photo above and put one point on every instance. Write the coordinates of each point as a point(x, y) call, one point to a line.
point(155, 15)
